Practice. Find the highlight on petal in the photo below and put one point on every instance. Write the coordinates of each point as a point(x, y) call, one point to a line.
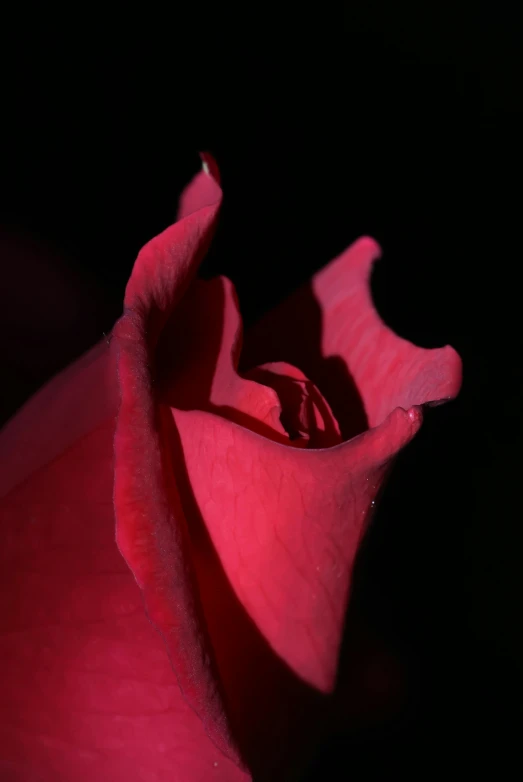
point(203, 190)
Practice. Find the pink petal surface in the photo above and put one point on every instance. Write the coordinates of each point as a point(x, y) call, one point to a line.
point(89, 692)
point(286, 524)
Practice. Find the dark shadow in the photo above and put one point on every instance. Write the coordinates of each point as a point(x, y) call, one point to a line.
point(293, 333)
point(293, 395)
point(193, 342)
point(50, 314)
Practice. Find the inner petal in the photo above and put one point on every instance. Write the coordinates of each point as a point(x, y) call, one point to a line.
point(197, 357)
point(331, 329)
point(306, 415)
point(196, 369)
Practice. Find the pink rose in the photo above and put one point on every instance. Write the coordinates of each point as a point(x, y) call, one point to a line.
point(179, 537)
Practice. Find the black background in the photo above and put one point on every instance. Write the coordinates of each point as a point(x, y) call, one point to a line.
point(378, 119)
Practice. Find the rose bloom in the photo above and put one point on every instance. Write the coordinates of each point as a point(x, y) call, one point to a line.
point(178, 536)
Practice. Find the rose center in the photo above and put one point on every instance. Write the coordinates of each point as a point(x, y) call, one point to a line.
point(305, 414)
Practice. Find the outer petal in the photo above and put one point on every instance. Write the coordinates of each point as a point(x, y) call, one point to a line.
point(89, 691)
point(151, 529)
point(286, 524)
point(331, 330)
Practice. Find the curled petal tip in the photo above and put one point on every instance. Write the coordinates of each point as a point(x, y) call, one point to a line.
point(415, 415)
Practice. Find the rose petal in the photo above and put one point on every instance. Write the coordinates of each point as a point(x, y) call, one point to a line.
point(196, 368)
point(305, 411)
point(203, 190)
point(197, 357)
point(331, 330)
point(151, 530)
point(166, 265)
point(90, 692)
point(286, 524)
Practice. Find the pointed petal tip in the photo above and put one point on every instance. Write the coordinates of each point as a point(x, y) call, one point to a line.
point(210, 167)
point(447, 375)
point(399, 428)
point(364, 252)
point(368, 244)
point(354, 263)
